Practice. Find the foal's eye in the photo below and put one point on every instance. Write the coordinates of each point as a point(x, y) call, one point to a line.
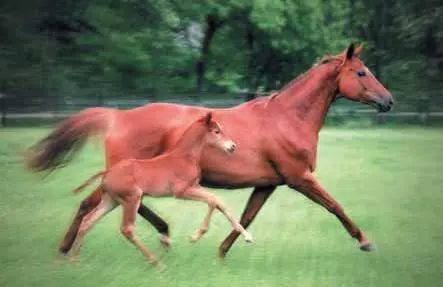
point(361, 73)
point(216, 132)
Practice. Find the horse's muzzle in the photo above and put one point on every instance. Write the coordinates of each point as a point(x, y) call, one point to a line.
point(384, 103)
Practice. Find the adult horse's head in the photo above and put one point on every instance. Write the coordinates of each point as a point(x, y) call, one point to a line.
point(357, 83)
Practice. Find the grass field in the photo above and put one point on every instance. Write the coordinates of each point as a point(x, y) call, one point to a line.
point(388, 180)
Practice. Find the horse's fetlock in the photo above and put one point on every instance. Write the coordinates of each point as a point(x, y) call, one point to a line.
point(334, 208)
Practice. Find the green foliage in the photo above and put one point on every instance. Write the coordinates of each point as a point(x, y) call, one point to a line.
point(154, 47)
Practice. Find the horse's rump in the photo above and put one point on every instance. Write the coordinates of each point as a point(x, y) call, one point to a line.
point(58, 148)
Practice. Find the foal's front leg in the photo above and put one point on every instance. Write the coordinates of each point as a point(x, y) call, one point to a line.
point(205, 225)
point(198, 193)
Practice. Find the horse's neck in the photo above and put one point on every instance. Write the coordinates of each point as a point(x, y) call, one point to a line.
point(309, 98)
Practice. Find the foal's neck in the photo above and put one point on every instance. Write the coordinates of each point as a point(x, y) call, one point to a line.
point(191, 143)
point(310, 96)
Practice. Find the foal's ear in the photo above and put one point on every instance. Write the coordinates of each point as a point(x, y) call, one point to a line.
point(208, 118)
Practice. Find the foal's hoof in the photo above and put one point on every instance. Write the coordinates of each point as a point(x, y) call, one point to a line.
point(165, 241)
point(367, 246)
point(249, 239)
point(73, 258)
point(160, 266)
point(193, 238)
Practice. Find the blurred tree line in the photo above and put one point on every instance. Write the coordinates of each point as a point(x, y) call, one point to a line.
point(106, 48)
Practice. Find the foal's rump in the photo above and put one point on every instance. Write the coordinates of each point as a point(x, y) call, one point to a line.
point(88, 182)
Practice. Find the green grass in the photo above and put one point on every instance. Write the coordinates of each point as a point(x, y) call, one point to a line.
point(389, 182)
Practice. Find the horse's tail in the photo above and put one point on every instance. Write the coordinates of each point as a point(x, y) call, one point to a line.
point(88, 182)
point(58, 148)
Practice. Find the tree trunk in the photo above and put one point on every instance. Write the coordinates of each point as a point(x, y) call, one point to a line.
point(252, 82)
point(212, 24)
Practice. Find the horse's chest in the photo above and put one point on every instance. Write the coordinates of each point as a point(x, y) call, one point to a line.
point(299, 152)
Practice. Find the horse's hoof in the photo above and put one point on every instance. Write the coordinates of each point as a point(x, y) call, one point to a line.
point(367, 246)
point(165, 241)
point(221, 254)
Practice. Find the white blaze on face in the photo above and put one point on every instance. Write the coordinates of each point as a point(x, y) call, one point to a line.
point(227, 145)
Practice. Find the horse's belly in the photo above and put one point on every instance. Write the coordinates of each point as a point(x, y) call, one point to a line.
point(238, 172)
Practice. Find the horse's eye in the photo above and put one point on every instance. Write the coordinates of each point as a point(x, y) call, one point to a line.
point(361, 73)
point(217, 132)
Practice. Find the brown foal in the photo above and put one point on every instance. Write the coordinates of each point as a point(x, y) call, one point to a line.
point(175, 173)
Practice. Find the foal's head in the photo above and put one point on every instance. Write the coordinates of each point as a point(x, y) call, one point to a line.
point(215, 135)
point(357, 83)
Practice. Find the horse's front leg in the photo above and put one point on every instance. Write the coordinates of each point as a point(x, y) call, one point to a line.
point(311, 188)
point(253, 206)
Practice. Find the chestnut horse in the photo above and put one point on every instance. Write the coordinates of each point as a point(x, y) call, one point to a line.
point(277, 139)
point(174, 173)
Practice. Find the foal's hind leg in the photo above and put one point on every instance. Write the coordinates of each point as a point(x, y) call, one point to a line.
point(130, 205)
point(214, 202)
point(106, 205)
point(205, 225)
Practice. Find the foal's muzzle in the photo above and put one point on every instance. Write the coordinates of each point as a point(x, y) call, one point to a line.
point(229, 146)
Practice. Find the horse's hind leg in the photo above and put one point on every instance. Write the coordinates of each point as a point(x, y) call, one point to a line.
point(255, 203)
point(87, 205)
point(212, 200)
point(130, 205)
point(106, 205)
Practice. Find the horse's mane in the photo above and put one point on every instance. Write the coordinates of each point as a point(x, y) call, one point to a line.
point(324, 60)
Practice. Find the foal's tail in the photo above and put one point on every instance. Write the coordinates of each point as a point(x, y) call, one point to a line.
point(88, 182)
point(58, 148)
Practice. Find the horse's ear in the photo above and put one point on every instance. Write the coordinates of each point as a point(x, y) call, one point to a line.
point(358, 50)
point(208, 118)
point(350, 51)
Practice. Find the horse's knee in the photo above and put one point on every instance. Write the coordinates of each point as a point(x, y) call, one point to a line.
point(127, 231)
